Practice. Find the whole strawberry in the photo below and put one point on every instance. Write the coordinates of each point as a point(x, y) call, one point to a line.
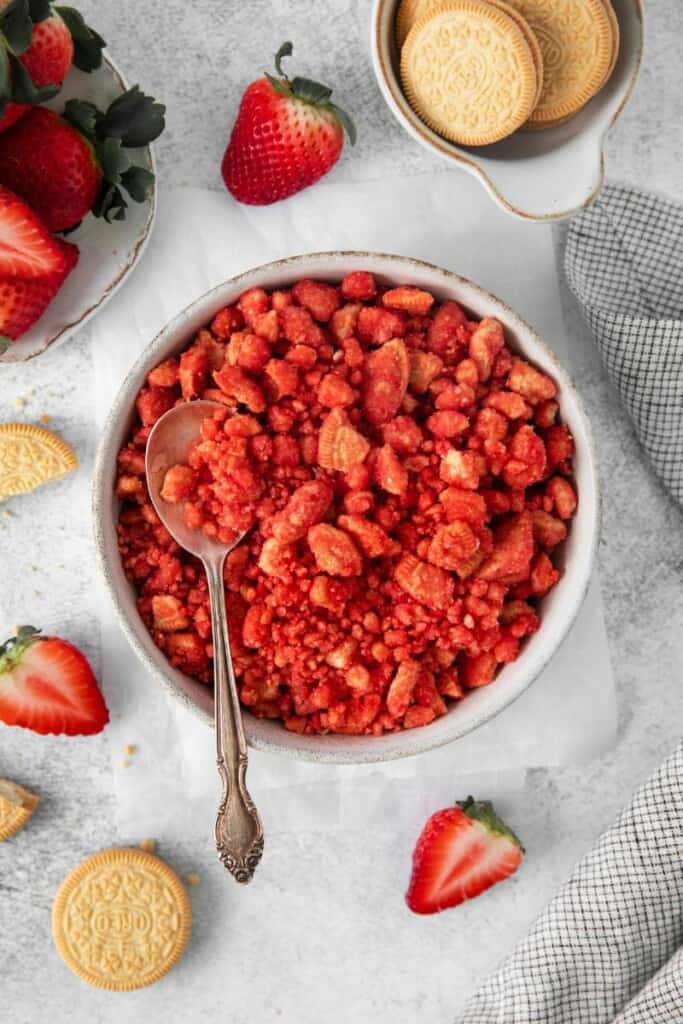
point(41, 42)
point(64, 167)
point(287, 135)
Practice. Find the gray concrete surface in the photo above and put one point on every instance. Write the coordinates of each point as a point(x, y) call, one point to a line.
point(324, 934)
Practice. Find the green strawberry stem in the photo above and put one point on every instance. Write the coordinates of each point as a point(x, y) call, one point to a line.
point(39, 10)
point(16, 26)
point(307, 91)
point(483, 812)
point(12, 650)
point(131, 121)
point(88, 44)
point(4, 344)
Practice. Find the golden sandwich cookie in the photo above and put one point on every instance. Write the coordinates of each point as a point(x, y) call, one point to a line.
point(409, 11)
point(468, 72)
point(578, 46)
point(121, 919)
point(540, 125)
point(616, 39)
point(31, 456)
point(531, 39)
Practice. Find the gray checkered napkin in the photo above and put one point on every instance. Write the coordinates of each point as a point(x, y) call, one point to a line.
point(608, 949)
point(624, 264)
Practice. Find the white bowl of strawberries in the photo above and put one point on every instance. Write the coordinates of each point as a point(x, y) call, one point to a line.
point(77, 192)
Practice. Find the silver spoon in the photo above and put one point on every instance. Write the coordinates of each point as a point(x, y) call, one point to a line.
point(239, 833)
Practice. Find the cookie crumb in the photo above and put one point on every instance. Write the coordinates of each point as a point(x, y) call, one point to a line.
point(46, 418)
point(148, 845)
point(16, 807)
point(125, 763)
point(131, 749)
point(193, 879)
point(19, 403)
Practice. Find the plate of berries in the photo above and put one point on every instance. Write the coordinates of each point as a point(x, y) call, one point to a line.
point(416, 486)
point(77, 186)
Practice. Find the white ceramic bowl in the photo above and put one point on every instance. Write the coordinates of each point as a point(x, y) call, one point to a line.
point(109, 252)
point(539, 175)
point(559, 608)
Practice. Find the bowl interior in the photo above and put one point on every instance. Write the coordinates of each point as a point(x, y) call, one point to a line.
point(559, 608)
point(546, 174)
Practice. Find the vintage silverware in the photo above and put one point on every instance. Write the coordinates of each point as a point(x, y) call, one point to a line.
point(239, 833)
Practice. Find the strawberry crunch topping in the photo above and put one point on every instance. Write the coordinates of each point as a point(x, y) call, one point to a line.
point(404, 480)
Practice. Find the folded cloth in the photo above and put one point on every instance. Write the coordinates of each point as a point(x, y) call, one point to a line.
point(624, 264)
point(608, 947)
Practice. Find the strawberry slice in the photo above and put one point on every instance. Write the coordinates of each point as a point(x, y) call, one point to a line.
point(23, 302)
point(27, 249)
point(462, 851)
point(47, 685)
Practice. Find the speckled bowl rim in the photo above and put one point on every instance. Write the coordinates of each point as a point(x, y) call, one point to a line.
point(392, 93)
point(67, 330)
point(273, 737)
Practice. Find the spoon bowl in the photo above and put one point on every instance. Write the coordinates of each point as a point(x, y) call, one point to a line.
point(171, 438)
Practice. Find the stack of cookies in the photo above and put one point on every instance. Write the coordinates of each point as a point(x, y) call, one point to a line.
point(475, 71)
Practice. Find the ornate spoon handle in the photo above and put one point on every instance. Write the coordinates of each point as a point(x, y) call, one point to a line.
point(239, 833)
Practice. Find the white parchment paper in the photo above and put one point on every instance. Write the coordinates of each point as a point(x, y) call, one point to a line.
point(169, 785)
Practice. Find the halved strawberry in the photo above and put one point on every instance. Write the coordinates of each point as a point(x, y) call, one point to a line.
point(33, 267)
point(462, 851)
point(47, 685)
point(23, 302)
point(27, 249)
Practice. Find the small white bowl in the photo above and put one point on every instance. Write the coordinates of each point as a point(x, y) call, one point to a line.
point(538, 175)
point(559, 609)
point(109, 252)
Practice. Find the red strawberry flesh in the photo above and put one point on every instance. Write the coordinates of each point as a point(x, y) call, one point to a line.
point(23, 301)
point(27, 249)
point(51, 52)
point(461, 852)
point(47, 685)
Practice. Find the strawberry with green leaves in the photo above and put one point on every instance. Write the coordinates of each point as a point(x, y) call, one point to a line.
point(33, 267)
point(461, 852)
point(47, 685)
point(38, 45)
point(287, 135)
point(64, 167)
